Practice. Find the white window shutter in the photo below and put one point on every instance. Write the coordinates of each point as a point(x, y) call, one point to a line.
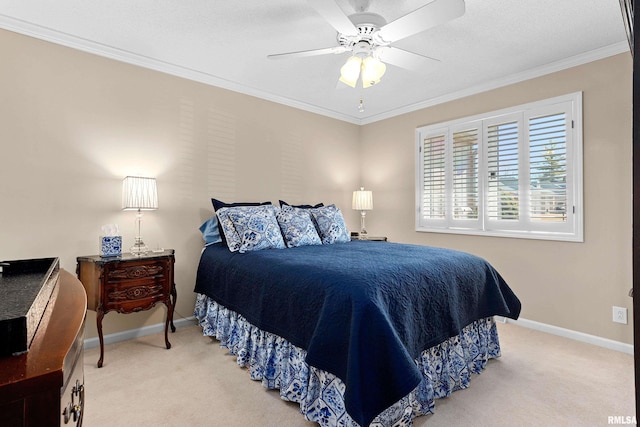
point(513, 173)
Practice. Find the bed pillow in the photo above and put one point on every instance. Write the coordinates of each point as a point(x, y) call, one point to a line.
point(228, 234)
point(211, 231)
point(330, 225)
point(283, 204)
point(251, 228)
point(297, 227)
point(219, 204)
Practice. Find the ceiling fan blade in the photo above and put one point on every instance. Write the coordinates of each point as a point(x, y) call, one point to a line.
point(330, 11)
point(428, 16)
point(314, 52)
point(405, 59)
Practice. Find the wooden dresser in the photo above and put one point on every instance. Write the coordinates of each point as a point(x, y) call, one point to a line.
point(45, 386)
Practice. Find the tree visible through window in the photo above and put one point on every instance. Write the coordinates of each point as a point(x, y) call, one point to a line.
point(548, 168)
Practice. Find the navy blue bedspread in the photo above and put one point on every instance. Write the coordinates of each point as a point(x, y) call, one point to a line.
point(359, 308)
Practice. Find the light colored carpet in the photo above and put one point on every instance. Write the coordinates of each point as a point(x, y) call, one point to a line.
point(540, 380)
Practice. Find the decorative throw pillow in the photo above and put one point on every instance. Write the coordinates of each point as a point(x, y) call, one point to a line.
point(219, 204)
point(251, 228)
point(330, 225)
point(210, 231)
point(297, 227)
point(229, 235)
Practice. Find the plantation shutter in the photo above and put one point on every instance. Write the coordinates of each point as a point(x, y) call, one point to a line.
point(516, 172)
point(548, 167)
point(434, 177)
point(466, 198)
point(503, 199)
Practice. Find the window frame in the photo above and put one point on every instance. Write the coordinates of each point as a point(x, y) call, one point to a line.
point(570, 230)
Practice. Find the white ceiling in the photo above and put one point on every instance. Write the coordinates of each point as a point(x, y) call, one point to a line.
point(226, 43)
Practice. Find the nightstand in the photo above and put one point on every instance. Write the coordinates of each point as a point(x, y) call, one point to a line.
point(128, 284)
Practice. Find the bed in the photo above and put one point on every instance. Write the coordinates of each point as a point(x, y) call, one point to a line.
point(358, 332)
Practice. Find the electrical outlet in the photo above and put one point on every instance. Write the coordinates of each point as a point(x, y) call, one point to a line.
point(619, 314)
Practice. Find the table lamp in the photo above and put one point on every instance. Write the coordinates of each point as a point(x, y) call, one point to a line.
point(139, 194)
point(363, 202)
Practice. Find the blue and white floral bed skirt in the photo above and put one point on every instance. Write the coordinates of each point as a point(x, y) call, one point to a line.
point(279, 364)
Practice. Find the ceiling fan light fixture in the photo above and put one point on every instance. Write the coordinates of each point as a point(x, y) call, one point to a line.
point(350, 71)
point(372, 71)
point(368, 36)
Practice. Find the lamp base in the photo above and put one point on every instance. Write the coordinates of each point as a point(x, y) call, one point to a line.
point(139, 248)
point(363, 231)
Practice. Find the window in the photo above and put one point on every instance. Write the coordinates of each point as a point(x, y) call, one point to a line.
point(512, 173)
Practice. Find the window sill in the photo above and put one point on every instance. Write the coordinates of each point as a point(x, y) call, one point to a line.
point(535, 235)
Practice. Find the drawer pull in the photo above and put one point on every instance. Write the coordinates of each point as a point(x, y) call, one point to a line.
point(74, 410)
point(70, 411)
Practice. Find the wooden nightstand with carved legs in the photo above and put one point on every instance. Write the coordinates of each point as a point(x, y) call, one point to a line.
point(128, 284)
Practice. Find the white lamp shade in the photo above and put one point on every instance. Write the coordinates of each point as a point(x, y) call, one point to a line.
point(139, 193)
point(350, 71)
point(362, 200)
point(372, 71)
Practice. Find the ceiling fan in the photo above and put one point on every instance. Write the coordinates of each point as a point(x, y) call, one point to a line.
point(368, 37)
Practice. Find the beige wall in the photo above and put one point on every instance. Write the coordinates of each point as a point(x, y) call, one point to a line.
point(72, 125)
point(569, 285)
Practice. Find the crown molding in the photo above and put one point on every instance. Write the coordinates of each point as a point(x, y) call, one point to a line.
point(85, 45)
point(573, 61)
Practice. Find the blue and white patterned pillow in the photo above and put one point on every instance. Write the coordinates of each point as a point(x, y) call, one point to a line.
point(231, 237)
point(297, 227)
point(330, 225)
point(251, 228)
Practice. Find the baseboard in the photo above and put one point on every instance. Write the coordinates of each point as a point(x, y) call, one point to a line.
point(568, 333)
point(135, 333)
